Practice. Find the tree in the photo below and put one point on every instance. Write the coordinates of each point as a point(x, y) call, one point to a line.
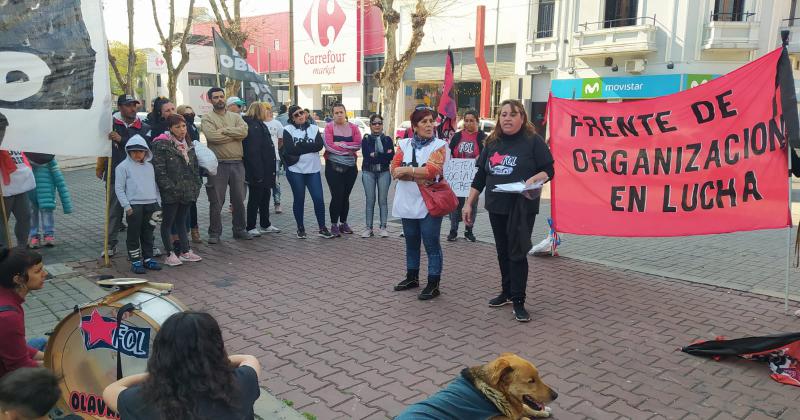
point(231, 30)
point(119, 52)
point(126, 85)
point(172, 40)
point(391, 74)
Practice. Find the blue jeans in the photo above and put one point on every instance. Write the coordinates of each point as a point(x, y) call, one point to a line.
point(299, 182)
point(39, 343)
point(276, 190)
point(47, 221)
point(381, 180)
point(427, 230)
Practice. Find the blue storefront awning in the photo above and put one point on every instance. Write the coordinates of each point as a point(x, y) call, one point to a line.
point(633, 87)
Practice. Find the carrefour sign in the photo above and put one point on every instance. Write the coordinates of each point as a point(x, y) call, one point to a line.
point(326, 41)
point(635, 87)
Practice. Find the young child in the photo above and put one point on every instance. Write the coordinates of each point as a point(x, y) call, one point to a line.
point(49, 179)
point(135, 185)
point(28, 393)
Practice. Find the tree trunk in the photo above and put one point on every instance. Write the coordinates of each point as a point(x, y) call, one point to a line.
point(232, 87)
point(130, 88)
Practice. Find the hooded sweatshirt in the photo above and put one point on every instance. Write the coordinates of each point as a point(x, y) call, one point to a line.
point(135, 182)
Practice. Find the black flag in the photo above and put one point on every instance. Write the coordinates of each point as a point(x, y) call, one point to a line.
point(233, 66)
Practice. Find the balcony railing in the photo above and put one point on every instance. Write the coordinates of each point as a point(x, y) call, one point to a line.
point(617, 23)
point(731, 17)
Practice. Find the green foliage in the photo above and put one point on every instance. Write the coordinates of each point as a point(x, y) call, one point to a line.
point(120, 52)
point(309, 416)
point(288, 402)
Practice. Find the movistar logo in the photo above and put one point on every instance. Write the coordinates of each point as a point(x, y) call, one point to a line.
point(592, 88)
point(695, 80)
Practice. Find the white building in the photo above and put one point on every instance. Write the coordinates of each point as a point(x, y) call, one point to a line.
point(615, 50)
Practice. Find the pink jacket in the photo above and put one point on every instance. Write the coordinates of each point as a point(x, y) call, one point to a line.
point(342, 148)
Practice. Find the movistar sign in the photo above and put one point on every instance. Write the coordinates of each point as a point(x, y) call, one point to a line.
point(635, 87)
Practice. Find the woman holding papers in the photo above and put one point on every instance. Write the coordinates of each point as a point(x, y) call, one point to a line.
point(419, 160)
point(513, 153)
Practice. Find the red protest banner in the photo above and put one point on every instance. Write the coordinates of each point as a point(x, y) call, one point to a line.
point(711, 159)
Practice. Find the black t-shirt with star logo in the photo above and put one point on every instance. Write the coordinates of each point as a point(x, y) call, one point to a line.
point(511, 159)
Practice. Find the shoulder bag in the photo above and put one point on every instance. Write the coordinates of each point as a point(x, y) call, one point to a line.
point(439, 198)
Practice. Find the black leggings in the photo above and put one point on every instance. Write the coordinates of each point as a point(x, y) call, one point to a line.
point(340, 185)
point(258, 203)
point(172, 213)
point(514, 273)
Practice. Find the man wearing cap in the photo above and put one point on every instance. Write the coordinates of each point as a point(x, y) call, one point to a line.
point(235, 104)
point(225, 131)
point(126, 125)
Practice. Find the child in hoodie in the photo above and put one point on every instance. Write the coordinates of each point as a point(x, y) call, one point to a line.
point(136, 189)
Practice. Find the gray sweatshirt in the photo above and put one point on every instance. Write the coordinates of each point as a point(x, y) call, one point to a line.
point(134, 182)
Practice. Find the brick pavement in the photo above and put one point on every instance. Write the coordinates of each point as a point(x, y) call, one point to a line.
point(337, 341)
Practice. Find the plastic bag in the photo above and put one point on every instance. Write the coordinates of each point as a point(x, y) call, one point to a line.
point(549, 245)
point(205, 157)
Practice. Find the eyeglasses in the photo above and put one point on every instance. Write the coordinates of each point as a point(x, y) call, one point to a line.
point(376, 123)
point(423, 107)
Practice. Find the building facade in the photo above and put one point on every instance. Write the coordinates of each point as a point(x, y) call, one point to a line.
point(617, 50)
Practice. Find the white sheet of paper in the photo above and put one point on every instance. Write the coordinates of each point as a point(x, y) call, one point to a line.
point(517, 187)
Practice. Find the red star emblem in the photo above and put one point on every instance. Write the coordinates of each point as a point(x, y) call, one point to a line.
point(496, 159)
point(98, 329)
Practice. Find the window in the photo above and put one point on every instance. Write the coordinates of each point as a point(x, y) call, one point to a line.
point(204, 79)
point(729, 11)
point(620, 13)
point(794, 13)
point(544, 22)
point(276, 45)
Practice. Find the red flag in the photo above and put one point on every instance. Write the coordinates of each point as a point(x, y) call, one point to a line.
point(447, 102)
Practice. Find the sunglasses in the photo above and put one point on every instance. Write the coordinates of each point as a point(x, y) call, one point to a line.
point(376, 123)
point(298, 113)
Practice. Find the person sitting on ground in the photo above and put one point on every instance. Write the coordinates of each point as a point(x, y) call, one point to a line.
point(28, 394)
point(135, 186)
point(21, 271)
point(178, 179)
point(189, 376)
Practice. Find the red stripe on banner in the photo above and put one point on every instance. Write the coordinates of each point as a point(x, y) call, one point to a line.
point(711, 159)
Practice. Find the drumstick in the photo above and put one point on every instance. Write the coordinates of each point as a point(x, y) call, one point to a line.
point(160, 286)
point(121, 294)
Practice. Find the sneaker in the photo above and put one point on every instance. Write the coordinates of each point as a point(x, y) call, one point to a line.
point(49, 240)
point(152, 264)
point(254, 232)
point(452, 236)
point(520, 313)
point(242, 235)
point(367, 233)
point(470, 237)
point(278, 209)
point(334, 231)
point(301, 233)
point(383, 233)
point(499, 301)
point(172, 260)
point(190, 256)
point(156, 252)
point(345, 228)
point(430, 291)
point(138, 268)
point(270, 229)
point(111, 252)
point(33, 243)
point(213, 240)
point(325, 233)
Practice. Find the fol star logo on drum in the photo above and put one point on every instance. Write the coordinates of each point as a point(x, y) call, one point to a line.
point(102, 332)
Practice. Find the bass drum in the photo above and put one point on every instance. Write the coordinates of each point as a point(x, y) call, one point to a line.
point(83, 348)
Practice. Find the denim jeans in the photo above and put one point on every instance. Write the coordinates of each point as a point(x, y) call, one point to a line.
point(427, 231)
point(276, 190)
point(48, 222)
point(299, 182)
point(39, 343)
point(381, 181)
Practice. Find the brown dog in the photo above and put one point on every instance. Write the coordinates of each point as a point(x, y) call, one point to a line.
point(507, 388)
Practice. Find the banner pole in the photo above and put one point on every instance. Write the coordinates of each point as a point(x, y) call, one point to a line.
point(7, 230)
point(106, 258)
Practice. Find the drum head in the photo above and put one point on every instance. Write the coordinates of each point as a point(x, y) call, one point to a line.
point(82, 349)
point(120, 282)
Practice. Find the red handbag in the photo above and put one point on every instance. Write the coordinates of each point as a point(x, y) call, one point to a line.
point(439, 198)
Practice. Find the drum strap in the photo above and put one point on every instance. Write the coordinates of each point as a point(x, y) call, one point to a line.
point(7, 308)
point(128, 307)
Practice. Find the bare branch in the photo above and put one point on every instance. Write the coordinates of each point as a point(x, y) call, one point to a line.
point(158, 25)
point(117, 74)
point(131, 52)
point(172, 21)
point(217, 16)
point(224, 5)
point(237, 6)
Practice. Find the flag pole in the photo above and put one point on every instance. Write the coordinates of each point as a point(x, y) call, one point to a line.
point(106, 257)
point(7, 230)
point(216, 56)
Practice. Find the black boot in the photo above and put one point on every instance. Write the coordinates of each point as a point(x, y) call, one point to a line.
point(411, 281)
point(431, 290)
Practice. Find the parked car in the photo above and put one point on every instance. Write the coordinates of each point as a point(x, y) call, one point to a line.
point(363, 126)
point(400, 131)
point(484, 125)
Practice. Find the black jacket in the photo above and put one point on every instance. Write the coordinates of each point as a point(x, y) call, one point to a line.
point(457, 138)
point(258, 154)
point(118, 153)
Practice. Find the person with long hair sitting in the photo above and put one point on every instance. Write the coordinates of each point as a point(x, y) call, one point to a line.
point(189, 376)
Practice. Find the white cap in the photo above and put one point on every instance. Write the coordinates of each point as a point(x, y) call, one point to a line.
point(234, 100)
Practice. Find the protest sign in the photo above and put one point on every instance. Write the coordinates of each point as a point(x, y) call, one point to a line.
point(711, 159)
point(459, 174)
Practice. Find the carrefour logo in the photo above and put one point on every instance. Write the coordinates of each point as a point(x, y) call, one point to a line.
point(326, 14)
point(592, 88)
